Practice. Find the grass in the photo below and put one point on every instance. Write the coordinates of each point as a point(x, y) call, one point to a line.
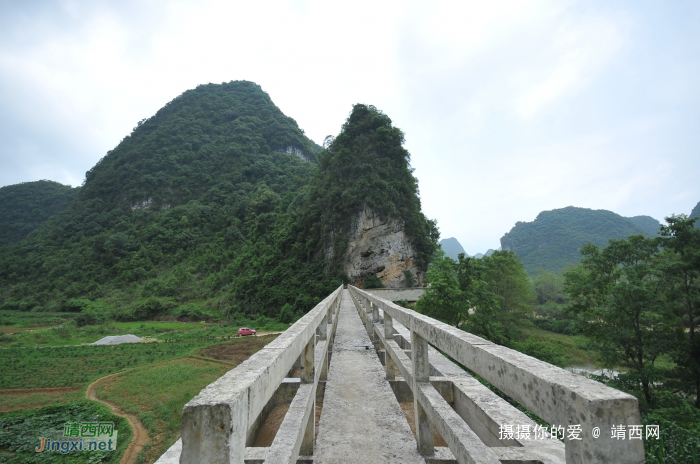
point(157, 393)
point(567, 350)
point(64, 332)
point(11, 401)
point(72, 366)
point(156, 325)
point(157, 378)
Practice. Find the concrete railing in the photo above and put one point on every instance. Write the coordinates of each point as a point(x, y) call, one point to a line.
point(471, 418)
point(223, 419)
point(397, 294)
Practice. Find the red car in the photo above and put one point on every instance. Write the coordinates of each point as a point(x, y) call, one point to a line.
point(245, 331)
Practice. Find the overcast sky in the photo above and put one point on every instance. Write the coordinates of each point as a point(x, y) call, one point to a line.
point(509, 107)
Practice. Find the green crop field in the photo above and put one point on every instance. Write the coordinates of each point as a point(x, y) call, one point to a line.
point(156, 395)
point(20, 432)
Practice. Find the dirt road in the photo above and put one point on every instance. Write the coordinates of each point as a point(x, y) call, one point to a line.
point(140, 433)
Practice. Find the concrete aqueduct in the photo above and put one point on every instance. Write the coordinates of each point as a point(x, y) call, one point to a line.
point(362, 356)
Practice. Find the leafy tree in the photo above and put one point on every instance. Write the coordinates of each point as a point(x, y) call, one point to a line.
point(443, 298)
point(619, 292)
point(549, 287)
point(372, 281)
point(507, 280)
point(681, 241)
point(459, 295)
point(409, 279)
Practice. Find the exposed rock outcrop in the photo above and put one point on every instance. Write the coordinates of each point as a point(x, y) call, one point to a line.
point(296, 151)
point(380, 246)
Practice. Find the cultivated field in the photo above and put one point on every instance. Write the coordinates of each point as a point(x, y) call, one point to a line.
point(47, 366)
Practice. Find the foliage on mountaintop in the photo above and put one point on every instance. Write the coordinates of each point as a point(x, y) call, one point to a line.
point(169, 210)
point(555, 237)
point(199, 211)
point(367, 166)
point(26, 206)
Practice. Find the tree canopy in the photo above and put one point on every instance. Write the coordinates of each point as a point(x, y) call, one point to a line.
point(555, 237)
point(25, 207)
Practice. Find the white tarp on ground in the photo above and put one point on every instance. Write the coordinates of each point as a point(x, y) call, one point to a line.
point(117, 339)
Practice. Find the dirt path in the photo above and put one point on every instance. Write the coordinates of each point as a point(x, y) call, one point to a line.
point(140, 434)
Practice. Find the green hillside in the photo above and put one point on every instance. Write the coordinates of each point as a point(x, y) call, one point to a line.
point(648, 224)
point(167, 211)
point(202, 208)
point(696, 214)
point(26, 206)
point(554, 238)
point(451, 247)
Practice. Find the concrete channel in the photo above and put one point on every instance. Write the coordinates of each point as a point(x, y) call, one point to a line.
point(361, 420)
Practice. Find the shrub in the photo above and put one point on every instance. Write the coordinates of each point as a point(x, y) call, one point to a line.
point(372, 281)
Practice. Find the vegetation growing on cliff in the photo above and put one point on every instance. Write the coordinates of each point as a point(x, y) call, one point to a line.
point(199, 212)
point(162, 218)
point(366, 165)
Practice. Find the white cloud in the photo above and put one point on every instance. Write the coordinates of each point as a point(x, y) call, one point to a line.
point(509, 107)
point(578, 52)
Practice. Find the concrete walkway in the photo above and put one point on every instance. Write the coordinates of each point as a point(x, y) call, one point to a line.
point(361, 421)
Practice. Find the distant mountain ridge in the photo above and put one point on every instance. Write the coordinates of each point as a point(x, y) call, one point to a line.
point(451, 247)
point(25, 207)
point(696, 213)
point(554, 238)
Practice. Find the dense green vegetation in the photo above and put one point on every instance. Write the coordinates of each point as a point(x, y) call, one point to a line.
point(26, 206)
point(164, 218)
point(488, 296)
point(366, 166)
point(197, 213)
point(554, 238)
point(632, 306)
point(20, 432)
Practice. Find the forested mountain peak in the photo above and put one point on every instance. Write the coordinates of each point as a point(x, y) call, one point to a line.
point(554, 238)
point(365, 181)
point(195, 142)
point(212, 205)
point(168, 208)
point(26, 206)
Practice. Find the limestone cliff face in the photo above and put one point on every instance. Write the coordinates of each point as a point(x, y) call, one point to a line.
point(380, 247)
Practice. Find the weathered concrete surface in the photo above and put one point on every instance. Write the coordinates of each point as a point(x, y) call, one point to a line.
point(556, 395)
point(172, 456)
point(361, 420)
point(215, 423)
point(397, 294)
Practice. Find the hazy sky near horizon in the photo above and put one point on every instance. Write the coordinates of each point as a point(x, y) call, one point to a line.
point(509, 107)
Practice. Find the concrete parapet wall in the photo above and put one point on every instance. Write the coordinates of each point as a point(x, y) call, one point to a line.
point(398, 294)
point(216, 422)
point(556, 395)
